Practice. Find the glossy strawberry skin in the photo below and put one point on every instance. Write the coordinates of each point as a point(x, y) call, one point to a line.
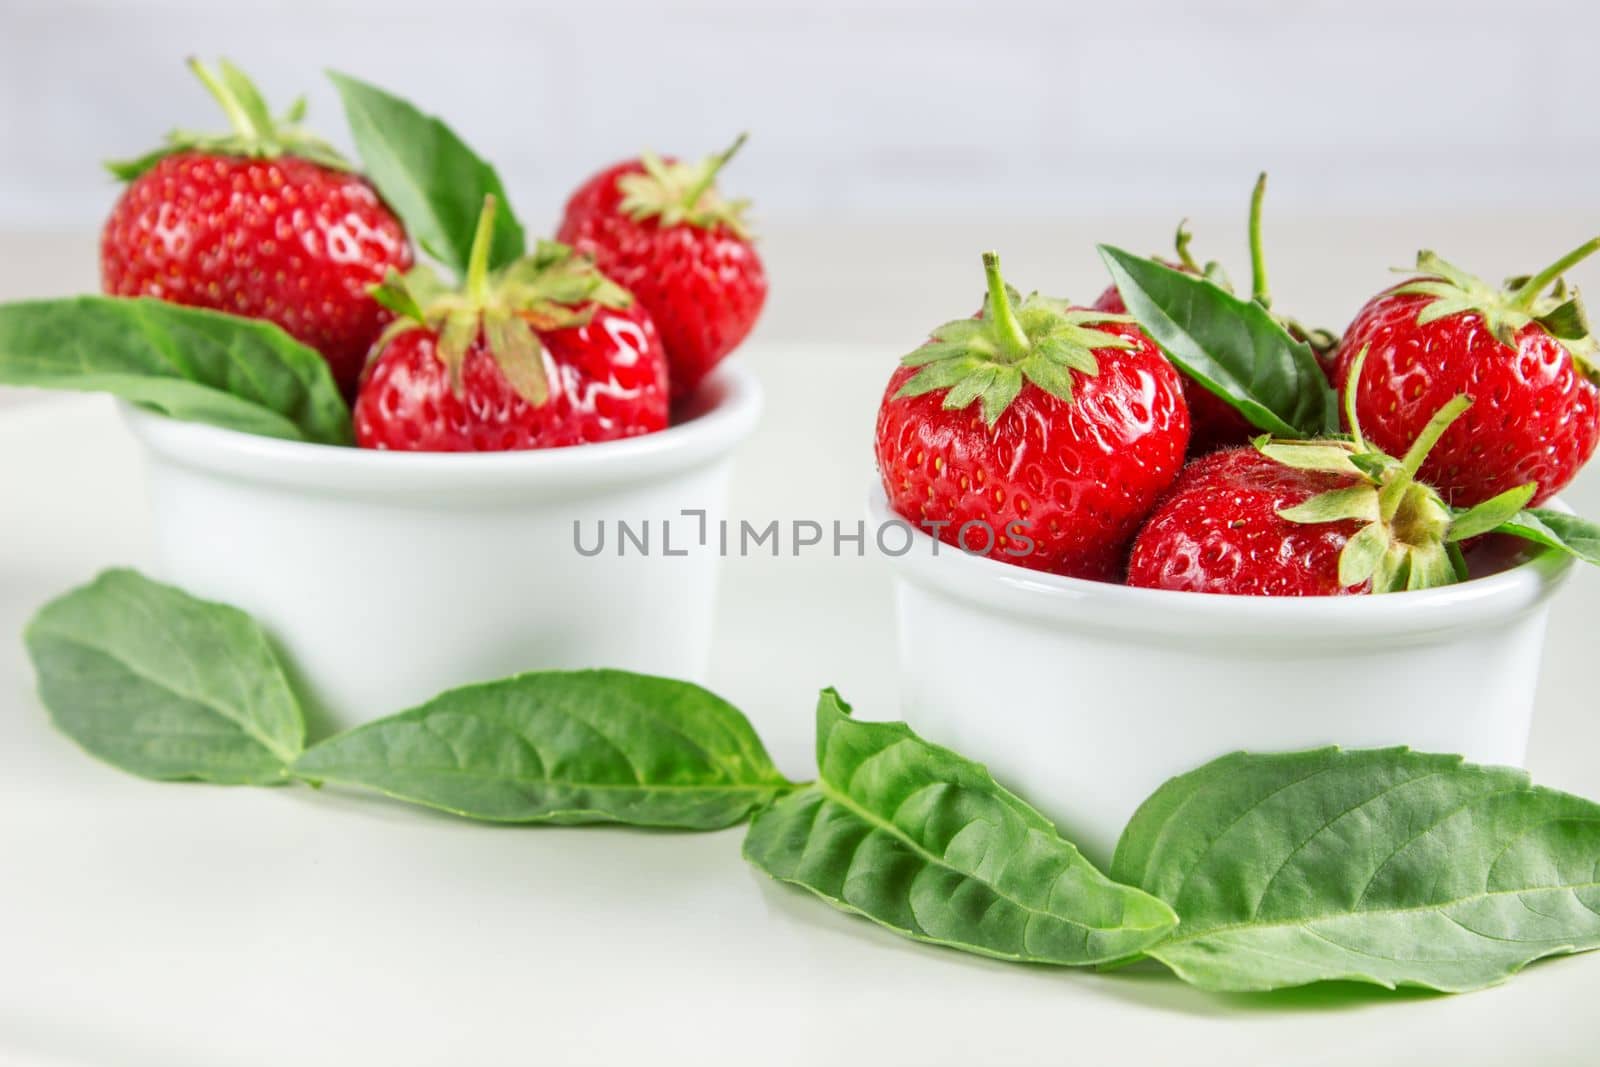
point(1219, 531)
point(704, 287)
point(1213, 423)
point(1079, 475)
point(282, 239)
point(608, 380)
point(1534, 418)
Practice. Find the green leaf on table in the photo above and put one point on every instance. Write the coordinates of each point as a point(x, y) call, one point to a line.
point(189, 363)
point(1381, 865)
point(1232, 347)
point(918, 839)
point(1556, 529)
point(428, 175)
point(163, 685)
point(563, 747)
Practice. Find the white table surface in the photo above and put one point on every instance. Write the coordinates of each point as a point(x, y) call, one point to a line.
point(175, 924)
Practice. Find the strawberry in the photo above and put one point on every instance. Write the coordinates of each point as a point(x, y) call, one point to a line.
point(267, 222)
point(1220, 531)
point(1313, 518)
point(1524, 353)
point(658, 228)
point(1215, 422)
point(542, 353)
point(1053, 428)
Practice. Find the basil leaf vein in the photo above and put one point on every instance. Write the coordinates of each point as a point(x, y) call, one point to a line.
point(1556, 529)
point(428, 175)
point(1384, 866)
point(164, 685)
point(189, 363)
point(563, 747)
point(1232, 347)
point(922, 841)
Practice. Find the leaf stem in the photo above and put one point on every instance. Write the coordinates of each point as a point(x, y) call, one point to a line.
point(1529, 290)
point(1012, 337)
point(478, 258)
point(712, 166)
point(238, 117)
point(1258, 260)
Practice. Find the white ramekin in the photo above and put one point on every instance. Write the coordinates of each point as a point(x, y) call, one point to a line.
point(1085, 696)
point(387, 577)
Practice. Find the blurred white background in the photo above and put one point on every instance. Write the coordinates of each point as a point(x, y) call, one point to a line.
point(869, 110)
point(892, 140)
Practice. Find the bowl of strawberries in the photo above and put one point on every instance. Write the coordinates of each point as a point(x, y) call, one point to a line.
point(389, 424)
point(1175, 524)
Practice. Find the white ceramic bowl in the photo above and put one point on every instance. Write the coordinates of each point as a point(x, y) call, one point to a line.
point(1085, 696)
point(388, 577)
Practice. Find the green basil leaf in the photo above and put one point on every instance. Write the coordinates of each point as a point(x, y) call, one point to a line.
point(924, 842)
point(1382, 865)
point(163, 685)
point(1556, 529)
point(1231, 347)
point(189, 363)
point(563, 747)
point(428, 175)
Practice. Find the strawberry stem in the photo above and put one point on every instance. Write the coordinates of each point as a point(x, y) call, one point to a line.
point(712, 166)
point(1007, 328)
point(478, 258)
point(238, 117)
point(1529, 290)
point(1258, 259)
point(1181, 243)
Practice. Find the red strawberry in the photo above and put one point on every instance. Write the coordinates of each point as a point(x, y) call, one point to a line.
point(544, 352)
point(1525, 355)
point(1219, 531)
point(659, 229)
point(1312, 518)
point(1216, 423)
point(266, 222)
point(1052, 428)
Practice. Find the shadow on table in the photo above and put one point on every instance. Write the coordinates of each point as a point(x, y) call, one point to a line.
point(1147, 982)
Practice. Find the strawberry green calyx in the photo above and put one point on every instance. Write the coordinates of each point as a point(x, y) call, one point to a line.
point(1409, 536)
point(255, 133)
point(676, 193)
point(1541, 298)
point(987, 359)
point(552, 289)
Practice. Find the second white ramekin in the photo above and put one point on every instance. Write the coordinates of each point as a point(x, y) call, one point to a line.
point(1085, 696)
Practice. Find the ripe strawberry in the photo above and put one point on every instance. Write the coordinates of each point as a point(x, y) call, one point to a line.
point(1526, 355)
point(659, 229)
point(1079, 427)
point(266, 222)
point(1215, 422)
point(1220, 531)
point(542, 353)
point(1312, 518)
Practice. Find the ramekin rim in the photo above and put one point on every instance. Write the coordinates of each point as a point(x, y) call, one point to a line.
point(228, 452)
point(994, 584)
